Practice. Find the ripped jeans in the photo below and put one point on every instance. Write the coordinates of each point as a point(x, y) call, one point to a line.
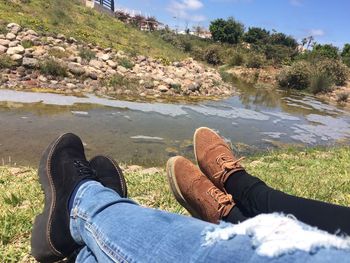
point(115, 229)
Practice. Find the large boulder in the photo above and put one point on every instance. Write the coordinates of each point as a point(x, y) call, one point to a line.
point(10, 36)
point(14, 28)
point(30, 62)
point(76, 68)
point(4, 42)
point(16, 57)
point(2, 49)
point(96, 64)
point(15, 50)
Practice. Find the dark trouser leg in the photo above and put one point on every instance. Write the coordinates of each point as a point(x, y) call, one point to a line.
point(254, 197)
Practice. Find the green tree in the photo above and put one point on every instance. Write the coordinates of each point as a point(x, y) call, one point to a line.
point(283, 40)
point(345, 54)
point(226, 31)
point(256, 35)
point(327, 51)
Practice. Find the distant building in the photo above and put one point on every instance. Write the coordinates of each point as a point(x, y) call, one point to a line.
point(202, 34)
point(145, 23)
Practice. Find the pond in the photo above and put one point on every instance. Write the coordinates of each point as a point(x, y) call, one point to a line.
point(149, 133)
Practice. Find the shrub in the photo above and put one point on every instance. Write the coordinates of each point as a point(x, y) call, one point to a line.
point(255, 60)
point(296, 76)
point(343, 97)
point(237, 59)
point(256, 35)
point(53, 68)
point(212, 55)
point(320, 82)
point(87, 54)
point(335, 69)
point(126, 63)
point(57, 53)
point(6, 62)
point(119, 81)
point(3, 29)
point(346, 61)
point(187, 46)
point(326, 51)
point(27, 43)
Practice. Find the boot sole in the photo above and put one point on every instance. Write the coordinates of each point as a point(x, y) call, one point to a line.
point(175, 187)
point(194, 144)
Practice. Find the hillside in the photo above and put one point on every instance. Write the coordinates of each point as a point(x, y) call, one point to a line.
point(70, 18)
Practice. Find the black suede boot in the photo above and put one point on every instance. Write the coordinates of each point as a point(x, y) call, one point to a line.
point(109, 174)
point(62, 166)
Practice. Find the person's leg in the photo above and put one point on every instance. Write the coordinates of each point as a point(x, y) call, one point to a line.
point(253, 197)
point(115, 229)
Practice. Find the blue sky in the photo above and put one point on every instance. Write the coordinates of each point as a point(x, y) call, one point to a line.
point(328, 21)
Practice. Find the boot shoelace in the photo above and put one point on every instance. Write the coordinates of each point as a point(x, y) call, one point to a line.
point(84, 169)
point(227, 163)
point(220, 197)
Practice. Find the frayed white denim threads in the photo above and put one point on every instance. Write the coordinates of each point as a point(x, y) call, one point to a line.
point(276, 234)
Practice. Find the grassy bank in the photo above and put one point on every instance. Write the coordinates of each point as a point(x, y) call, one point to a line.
point(72, 19)
point(314, 173)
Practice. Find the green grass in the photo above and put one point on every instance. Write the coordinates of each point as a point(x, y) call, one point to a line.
point(314, 173)
point(72, 19)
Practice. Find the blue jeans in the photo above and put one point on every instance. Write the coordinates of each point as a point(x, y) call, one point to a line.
point(115, 229)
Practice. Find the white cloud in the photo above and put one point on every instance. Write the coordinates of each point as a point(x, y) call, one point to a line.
point(316, 32)
point(182, 9)
point(187, 5)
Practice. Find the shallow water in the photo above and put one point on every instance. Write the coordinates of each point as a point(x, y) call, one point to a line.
point(149, 133)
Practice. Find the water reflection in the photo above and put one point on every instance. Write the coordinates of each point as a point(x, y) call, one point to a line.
point(148, 133)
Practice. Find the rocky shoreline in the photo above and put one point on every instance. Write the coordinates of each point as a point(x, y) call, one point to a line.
point(56, 63)
point(267, 76)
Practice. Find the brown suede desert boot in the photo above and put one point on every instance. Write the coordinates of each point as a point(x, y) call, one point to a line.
point(195, 192)
point(214, 156)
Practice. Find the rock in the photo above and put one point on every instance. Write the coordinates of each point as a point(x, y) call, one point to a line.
point(178, 64)
point(30, 62)
point(39, 52)
point(121, 69)
point(107, 50)
point(14, 28)
point(58, 48)
point(15, 50)
point(2, 49)
point(61, 36)
point(141, 59)
point(4, 42)
point(112, 64)
point(70, 86)
point(42, 78)
point(163, 88)
point(194, 87)
point(105, 57)
point(16, 57)
point(31, 32)
point(76, 68)
point(14, 43)
point(92, 75)
point(149, 85)
point(10, 36)
point(96, 64)
point(72, 40)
